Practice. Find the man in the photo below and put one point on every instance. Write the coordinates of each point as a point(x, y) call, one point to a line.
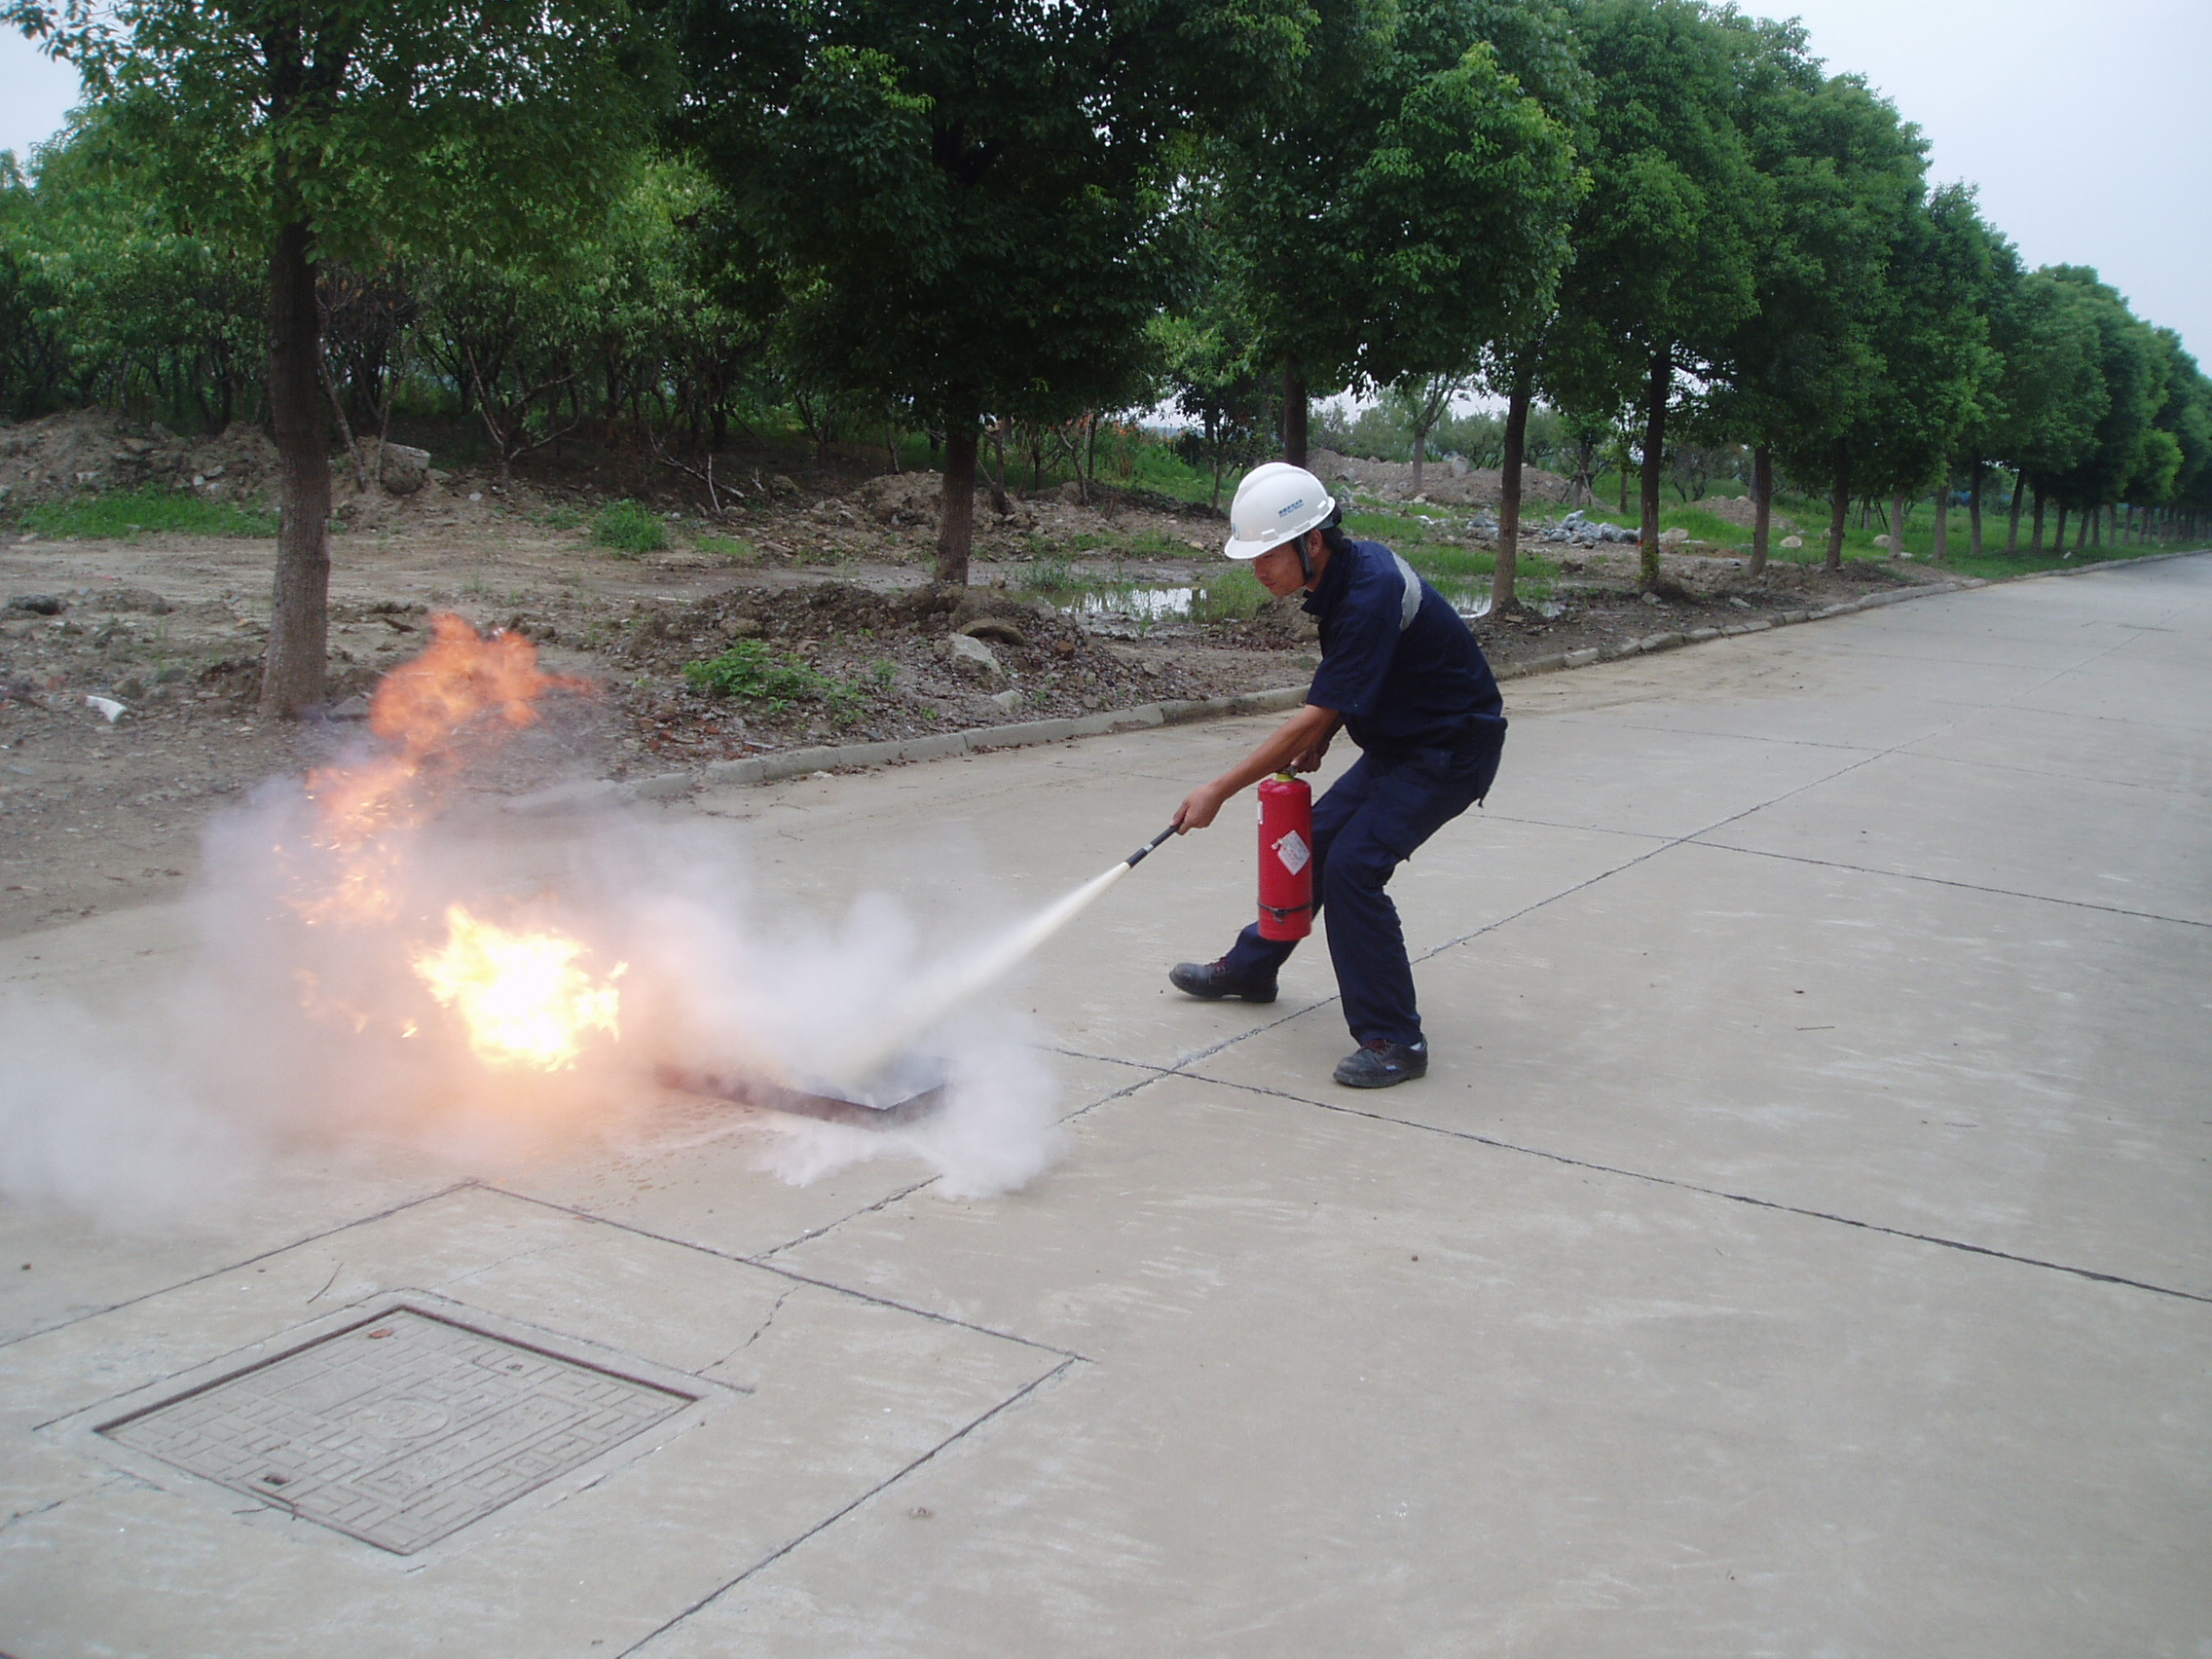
point(1403, 675)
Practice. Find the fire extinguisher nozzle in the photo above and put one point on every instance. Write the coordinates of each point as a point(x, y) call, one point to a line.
point(1138, 857)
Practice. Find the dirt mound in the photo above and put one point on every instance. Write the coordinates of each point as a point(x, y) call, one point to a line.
point(97, 449)
point(908, 498)
point(1738, 510)
point(1441, 480)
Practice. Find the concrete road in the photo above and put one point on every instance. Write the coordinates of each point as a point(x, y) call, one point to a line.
point(1800, 1245)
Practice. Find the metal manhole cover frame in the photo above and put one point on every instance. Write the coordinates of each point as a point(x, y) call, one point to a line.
point(83, 1430)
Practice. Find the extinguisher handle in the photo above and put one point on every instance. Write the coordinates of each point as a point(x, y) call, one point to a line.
point(1138, 857)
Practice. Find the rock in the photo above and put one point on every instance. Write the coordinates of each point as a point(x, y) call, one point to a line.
point(135, 598)
point(39, 604)
point(1009, 700)
point(994, 628)
point(401, 468)
point(1740, 604)
point(1674, 537)
point(1794, 541)
point(1881, 542)
point(1651, 598)
point(975, 659)
point(780, 485)
point(130, 686)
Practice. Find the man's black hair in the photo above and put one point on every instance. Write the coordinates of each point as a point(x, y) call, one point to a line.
point(1333, 536)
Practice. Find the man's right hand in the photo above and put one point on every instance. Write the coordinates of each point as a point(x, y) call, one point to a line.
point(1200, 808)
point(1310, 759)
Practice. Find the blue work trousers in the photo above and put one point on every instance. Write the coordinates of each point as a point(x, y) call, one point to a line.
point(1368, 824)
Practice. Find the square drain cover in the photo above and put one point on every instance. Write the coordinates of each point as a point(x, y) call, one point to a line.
point(400, 1429)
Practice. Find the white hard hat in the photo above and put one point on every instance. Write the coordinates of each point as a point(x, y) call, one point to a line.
point(1274, 503)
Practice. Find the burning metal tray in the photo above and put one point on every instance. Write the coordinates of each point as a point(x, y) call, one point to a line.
point(744, 1090)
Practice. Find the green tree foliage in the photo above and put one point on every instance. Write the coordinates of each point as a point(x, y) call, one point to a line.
point(1843, 172)
point(1410, 201)
point(104, 299)
point(302, 130)
point(1665, 266)
point(2185, 417)
point(1212, 366)
point(972, 202)
point(2134, 366)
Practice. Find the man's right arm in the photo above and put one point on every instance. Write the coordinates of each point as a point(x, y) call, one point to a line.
point(1306, 732)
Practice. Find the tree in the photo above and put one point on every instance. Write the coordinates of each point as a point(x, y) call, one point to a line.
point(2134, 366)
point(1844, 171)
point(1931, 338)
point(2185, 417)
point(312, 130)
point(1664, 246)
point(1209, 353)
point(969, 199)
point(115, 303)
point(2039, 412)
point(1410, 201)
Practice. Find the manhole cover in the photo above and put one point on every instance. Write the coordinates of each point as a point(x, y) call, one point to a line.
point(400, 1429)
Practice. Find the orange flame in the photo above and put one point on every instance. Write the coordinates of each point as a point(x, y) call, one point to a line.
point(426, 706)
point(523, 998)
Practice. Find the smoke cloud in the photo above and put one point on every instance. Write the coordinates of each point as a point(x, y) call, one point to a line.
point(299, 1019)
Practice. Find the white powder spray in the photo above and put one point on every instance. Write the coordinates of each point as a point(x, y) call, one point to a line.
point(276, 1031)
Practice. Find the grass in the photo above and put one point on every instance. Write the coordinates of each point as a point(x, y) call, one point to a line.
point(1050, 572)
point(121, 514)
point(562, 518)
point(629, 528)
point(1234, 594)
point(735, 548)
point(753, 672)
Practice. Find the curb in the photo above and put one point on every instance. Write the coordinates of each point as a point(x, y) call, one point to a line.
point(805, 762)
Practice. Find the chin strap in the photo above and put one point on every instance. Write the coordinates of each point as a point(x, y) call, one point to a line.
point(1306, 560)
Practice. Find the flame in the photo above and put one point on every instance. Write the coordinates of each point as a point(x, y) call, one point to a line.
point(521, 995)
point(424, 707)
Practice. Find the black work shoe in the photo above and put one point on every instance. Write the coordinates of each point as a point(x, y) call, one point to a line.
point(1213, 981)
point(1378, 1062)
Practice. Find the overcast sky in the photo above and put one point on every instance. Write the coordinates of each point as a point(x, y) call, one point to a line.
point(2087, 127)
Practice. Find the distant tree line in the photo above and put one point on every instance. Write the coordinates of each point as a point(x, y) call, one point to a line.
point(1657, 230)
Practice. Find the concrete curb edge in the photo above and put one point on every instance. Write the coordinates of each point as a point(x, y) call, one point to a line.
point(827, 758)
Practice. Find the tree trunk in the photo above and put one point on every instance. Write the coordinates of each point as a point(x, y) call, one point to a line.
point(1503, 596)
point(1974, 511)
point(1294, 410)
point(299, 617)
point(1839, 513)
point(1662, 385)
point(1943, 523)
point(2036, 546)
point(1420, 455)
point(2019, 496)
point(2058, 537)
point(1762, 505)
point(1896, 527)
point(956, 526)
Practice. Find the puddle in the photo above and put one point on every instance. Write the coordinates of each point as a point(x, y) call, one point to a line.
point(1150, 606)
point(1134, 603)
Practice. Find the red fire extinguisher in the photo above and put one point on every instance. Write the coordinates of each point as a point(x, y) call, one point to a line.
point(1286, 858)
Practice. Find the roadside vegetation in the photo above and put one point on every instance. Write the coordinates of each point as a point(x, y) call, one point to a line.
point(1687, 257)
point(124, 513)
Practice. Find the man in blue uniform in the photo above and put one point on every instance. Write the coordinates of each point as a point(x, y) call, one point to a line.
point(1403, 677)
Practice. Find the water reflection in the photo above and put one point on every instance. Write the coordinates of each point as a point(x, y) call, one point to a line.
point(1153, 605)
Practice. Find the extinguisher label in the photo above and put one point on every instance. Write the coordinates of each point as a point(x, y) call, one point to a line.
point(1294, 852)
